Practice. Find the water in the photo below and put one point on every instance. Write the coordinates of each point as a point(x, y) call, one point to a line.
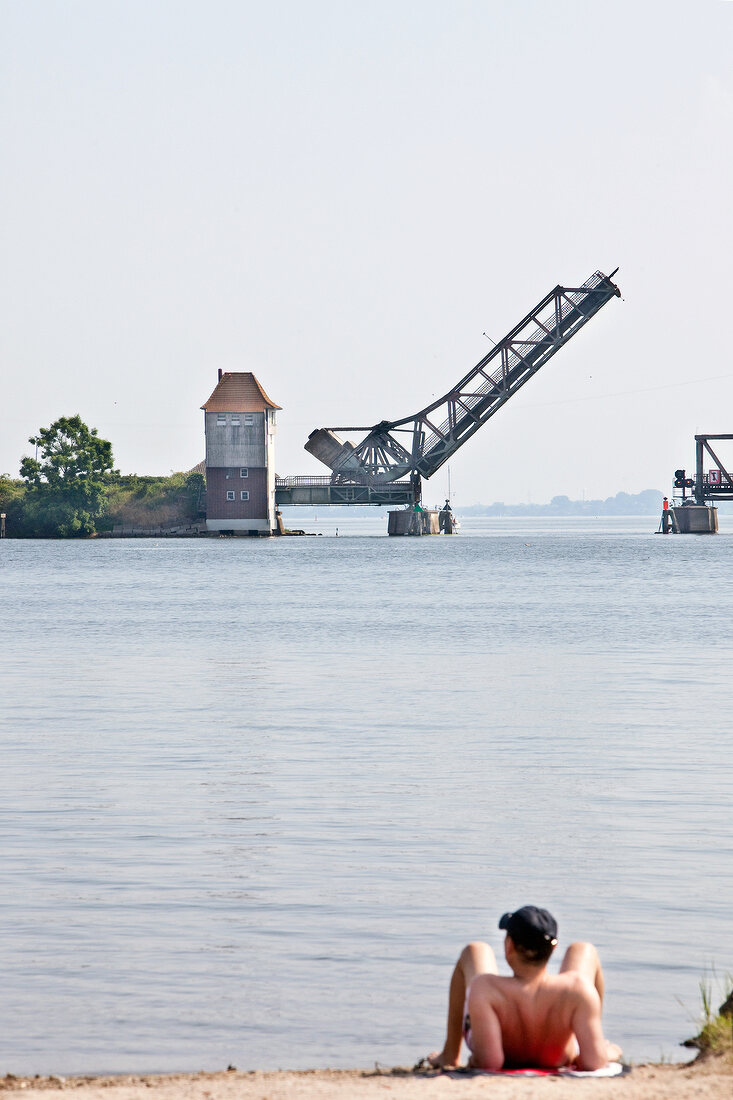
point(257, 794)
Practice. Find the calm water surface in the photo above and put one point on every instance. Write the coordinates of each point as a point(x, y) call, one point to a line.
point(257, 794)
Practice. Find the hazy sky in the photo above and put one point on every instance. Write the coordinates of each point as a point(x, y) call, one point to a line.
point(342, 197)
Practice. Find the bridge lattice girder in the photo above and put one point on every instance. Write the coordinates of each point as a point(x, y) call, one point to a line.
point(419, 445)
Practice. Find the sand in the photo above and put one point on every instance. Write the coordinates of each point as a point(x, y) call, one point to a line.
point(709, 1080)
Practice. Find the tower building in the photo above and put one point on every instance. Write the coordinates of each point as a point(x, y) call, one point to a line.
point(239, 423)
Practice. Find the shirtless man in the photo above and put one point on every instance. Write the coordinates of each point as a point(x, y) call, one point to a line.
point(533, 1018)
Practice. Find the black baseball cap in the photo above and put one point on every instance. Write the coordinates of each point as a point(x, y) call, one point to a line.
point(530, 926)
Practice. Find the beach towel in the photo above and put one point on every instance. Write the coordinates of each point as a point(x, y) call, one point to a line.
point(613, 1069)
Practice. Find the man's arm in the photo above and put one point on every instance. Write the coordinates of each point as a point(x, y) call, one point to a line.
point(595, 1050)
point(486, 1042)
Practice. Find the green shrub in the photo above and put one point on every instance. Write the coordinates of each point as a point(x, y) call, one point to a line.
point(715, 1037)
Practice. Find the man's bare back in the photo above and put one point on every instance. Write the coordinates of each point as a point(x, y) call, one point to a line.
point(514, 1022)
point(532, 1018)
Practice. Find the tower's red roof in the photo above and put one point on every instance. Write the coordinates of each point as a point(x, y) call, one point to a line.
point(238, 392)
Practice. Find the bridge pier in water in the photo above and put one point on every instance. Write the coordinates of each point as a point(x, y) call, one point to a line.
point(695, 519)
point(410, 522)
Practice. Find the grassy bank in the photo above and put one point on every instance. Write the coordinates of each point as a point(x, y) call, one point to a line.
point(136, 501)
point(131, 500)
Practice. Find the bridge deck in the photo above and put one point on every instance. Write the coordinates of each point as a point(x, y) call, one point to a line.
point(320, 491)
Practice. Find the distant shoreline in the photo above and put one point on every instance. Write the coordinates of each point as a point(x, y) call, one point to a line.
point(646, 503)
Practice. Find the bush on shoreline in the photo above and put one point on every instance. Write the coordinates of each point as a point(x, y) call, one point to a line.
point(69, 489)
point(715, 1038)
point(130, 500)
point(149, 501)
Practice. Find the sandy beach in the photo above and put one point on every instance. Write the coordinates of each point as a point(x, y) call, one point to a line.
point(708, 1080)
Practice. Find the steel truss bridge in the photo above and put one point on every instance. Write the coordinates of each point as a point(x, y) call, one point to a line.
point(388, 464)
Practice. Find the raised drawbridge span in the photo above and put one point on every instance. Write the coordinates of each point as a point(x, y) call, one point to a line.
point(388, 464)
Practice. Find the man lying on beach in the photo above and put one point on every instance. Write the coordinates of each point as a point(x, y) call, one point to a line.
point(533, 1019)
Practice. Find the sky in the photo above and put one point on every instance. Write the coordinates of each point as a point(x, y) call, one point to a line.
point(343, 198)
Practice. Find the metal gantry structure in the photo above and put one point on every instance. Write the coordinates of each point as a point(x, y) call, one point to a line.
point(389, 463)
point(693, 514)
point(717, 482)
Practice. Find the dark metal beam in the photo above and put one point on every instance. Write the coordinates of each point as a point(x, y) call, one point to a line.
point(706, 490)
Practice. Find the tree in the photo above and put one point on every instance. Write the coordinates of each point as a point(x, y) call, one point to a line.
point(65, 493)
point(10, 491)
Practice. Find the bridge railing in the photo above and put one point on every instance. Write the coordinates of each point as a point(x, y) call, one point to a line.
point(361, 478)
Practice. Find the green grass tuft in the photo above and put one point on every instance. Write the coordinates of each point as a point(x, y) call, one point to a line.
point(715, 1037)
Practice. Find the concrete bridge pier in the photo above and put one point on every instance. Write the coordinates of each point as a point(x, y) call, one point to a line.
point(695, 519)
